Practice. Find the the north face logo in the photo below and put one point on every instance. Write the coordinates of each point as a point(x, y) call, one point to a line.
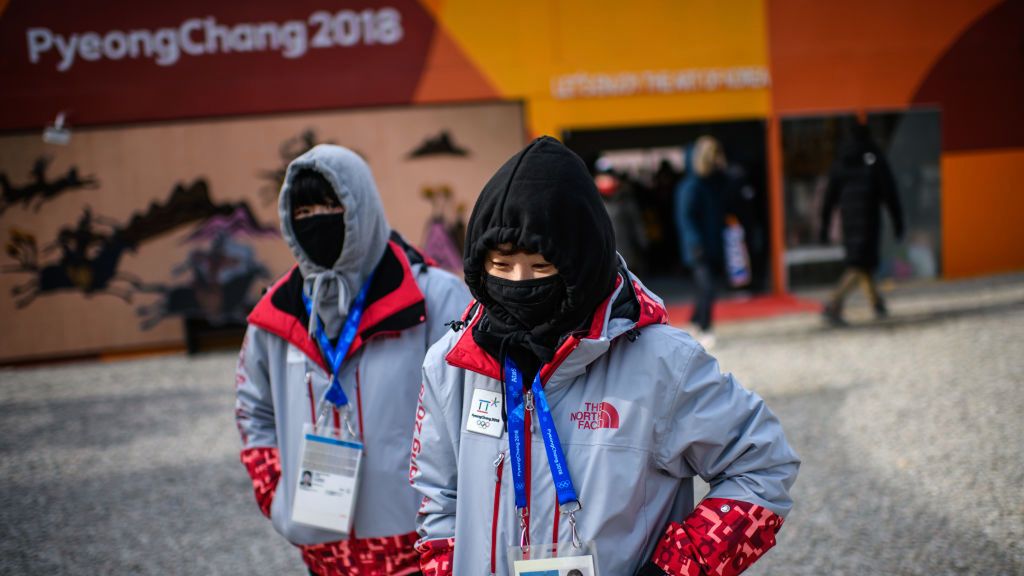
point(595, 415)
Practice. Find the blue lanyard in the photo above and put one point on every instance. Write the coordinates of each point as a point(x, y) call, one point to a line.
point(335, 355)
point(516, 430)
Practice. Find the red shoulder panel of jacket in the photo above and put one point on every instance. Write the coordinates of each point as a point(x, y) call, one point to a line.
point(651, 311)
point(721, 537)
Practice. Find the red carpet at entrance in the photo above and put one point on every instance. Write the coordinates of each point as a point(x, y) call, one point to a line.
point(752, 308)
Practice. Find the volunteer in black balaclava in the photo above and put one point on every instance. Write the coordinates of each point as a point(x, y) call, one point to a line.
point(571, 255)
point(318, 219)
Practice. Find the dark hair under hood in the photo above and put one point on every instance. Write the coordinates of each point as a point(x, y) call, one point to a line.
point(544, 200)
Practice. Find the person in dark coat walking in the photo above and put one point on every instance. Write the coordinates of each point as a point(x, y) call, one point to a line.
point(860, 183)
point(700, 217)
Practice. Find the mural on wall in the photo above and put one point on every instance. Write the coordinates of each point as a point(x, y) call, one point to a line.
point(443, 237)
point(440, 145)
point(90, 251)
point(89, 255)
point(221, 276)
point(287, 151)
point(176, 272)
point(41, 190)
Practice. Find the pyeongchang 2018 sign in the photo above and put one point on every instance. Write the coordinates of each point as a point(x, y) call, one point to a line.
point(206, 36)
point(109, 61)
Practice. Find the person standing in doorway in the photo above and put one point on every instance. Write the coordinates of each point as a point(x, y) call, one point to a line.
point(860, 183)
point(700, 218)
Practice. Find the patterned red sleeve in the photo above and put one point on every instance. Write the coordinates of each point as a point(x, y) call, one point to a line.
point(721, 538)
point(264, 469)
point(436, 557)
point(363, 556)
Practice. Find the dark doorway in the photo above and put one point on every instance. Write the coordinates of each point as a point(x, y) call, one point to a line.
point(652, 160)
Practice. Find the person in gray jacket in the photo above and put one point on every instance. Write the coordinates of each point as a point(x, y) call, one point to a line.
point(565, 411)
point(362, 298)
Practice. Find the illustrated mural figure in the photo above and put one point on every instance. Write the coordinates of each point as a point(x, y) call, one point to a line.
point(39, 190)
point(90, 252)
point(221, 276)
point(438, 241)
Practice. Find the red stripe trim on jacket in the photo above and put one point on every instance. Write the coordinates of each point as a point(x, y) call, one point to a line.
point(558, 513)
point(499, 469)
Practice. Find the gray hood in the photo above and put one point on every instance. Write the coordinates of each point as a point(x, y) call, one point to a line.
point(366, 230)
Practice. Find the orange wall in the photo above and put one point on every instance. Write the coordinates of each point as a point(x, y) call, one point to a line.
point(981, 209)
point(960, 56)
point(834, 55)
point(523, 48)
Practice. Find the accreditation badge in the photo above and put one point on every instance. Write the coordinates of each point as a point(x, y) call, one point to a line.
point(553, 560)
point(325, 493)
point(485, 413)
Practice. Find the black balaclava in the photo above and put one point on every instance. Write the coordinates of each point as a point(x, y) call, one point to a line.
point(321, 237)
point(528, 302)
point(541, 200)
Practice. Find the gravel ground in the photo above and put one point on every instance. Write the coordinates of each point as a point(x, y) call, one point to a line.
point(910, 432)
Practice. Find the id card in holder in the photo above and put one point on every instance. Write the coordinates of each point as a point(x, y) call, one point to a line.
point(553, 560)
point(325, 494)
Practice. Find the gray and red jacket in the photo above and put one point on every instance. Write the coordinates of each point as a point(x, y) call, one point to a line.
point(640, 409)
point(407, 306)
